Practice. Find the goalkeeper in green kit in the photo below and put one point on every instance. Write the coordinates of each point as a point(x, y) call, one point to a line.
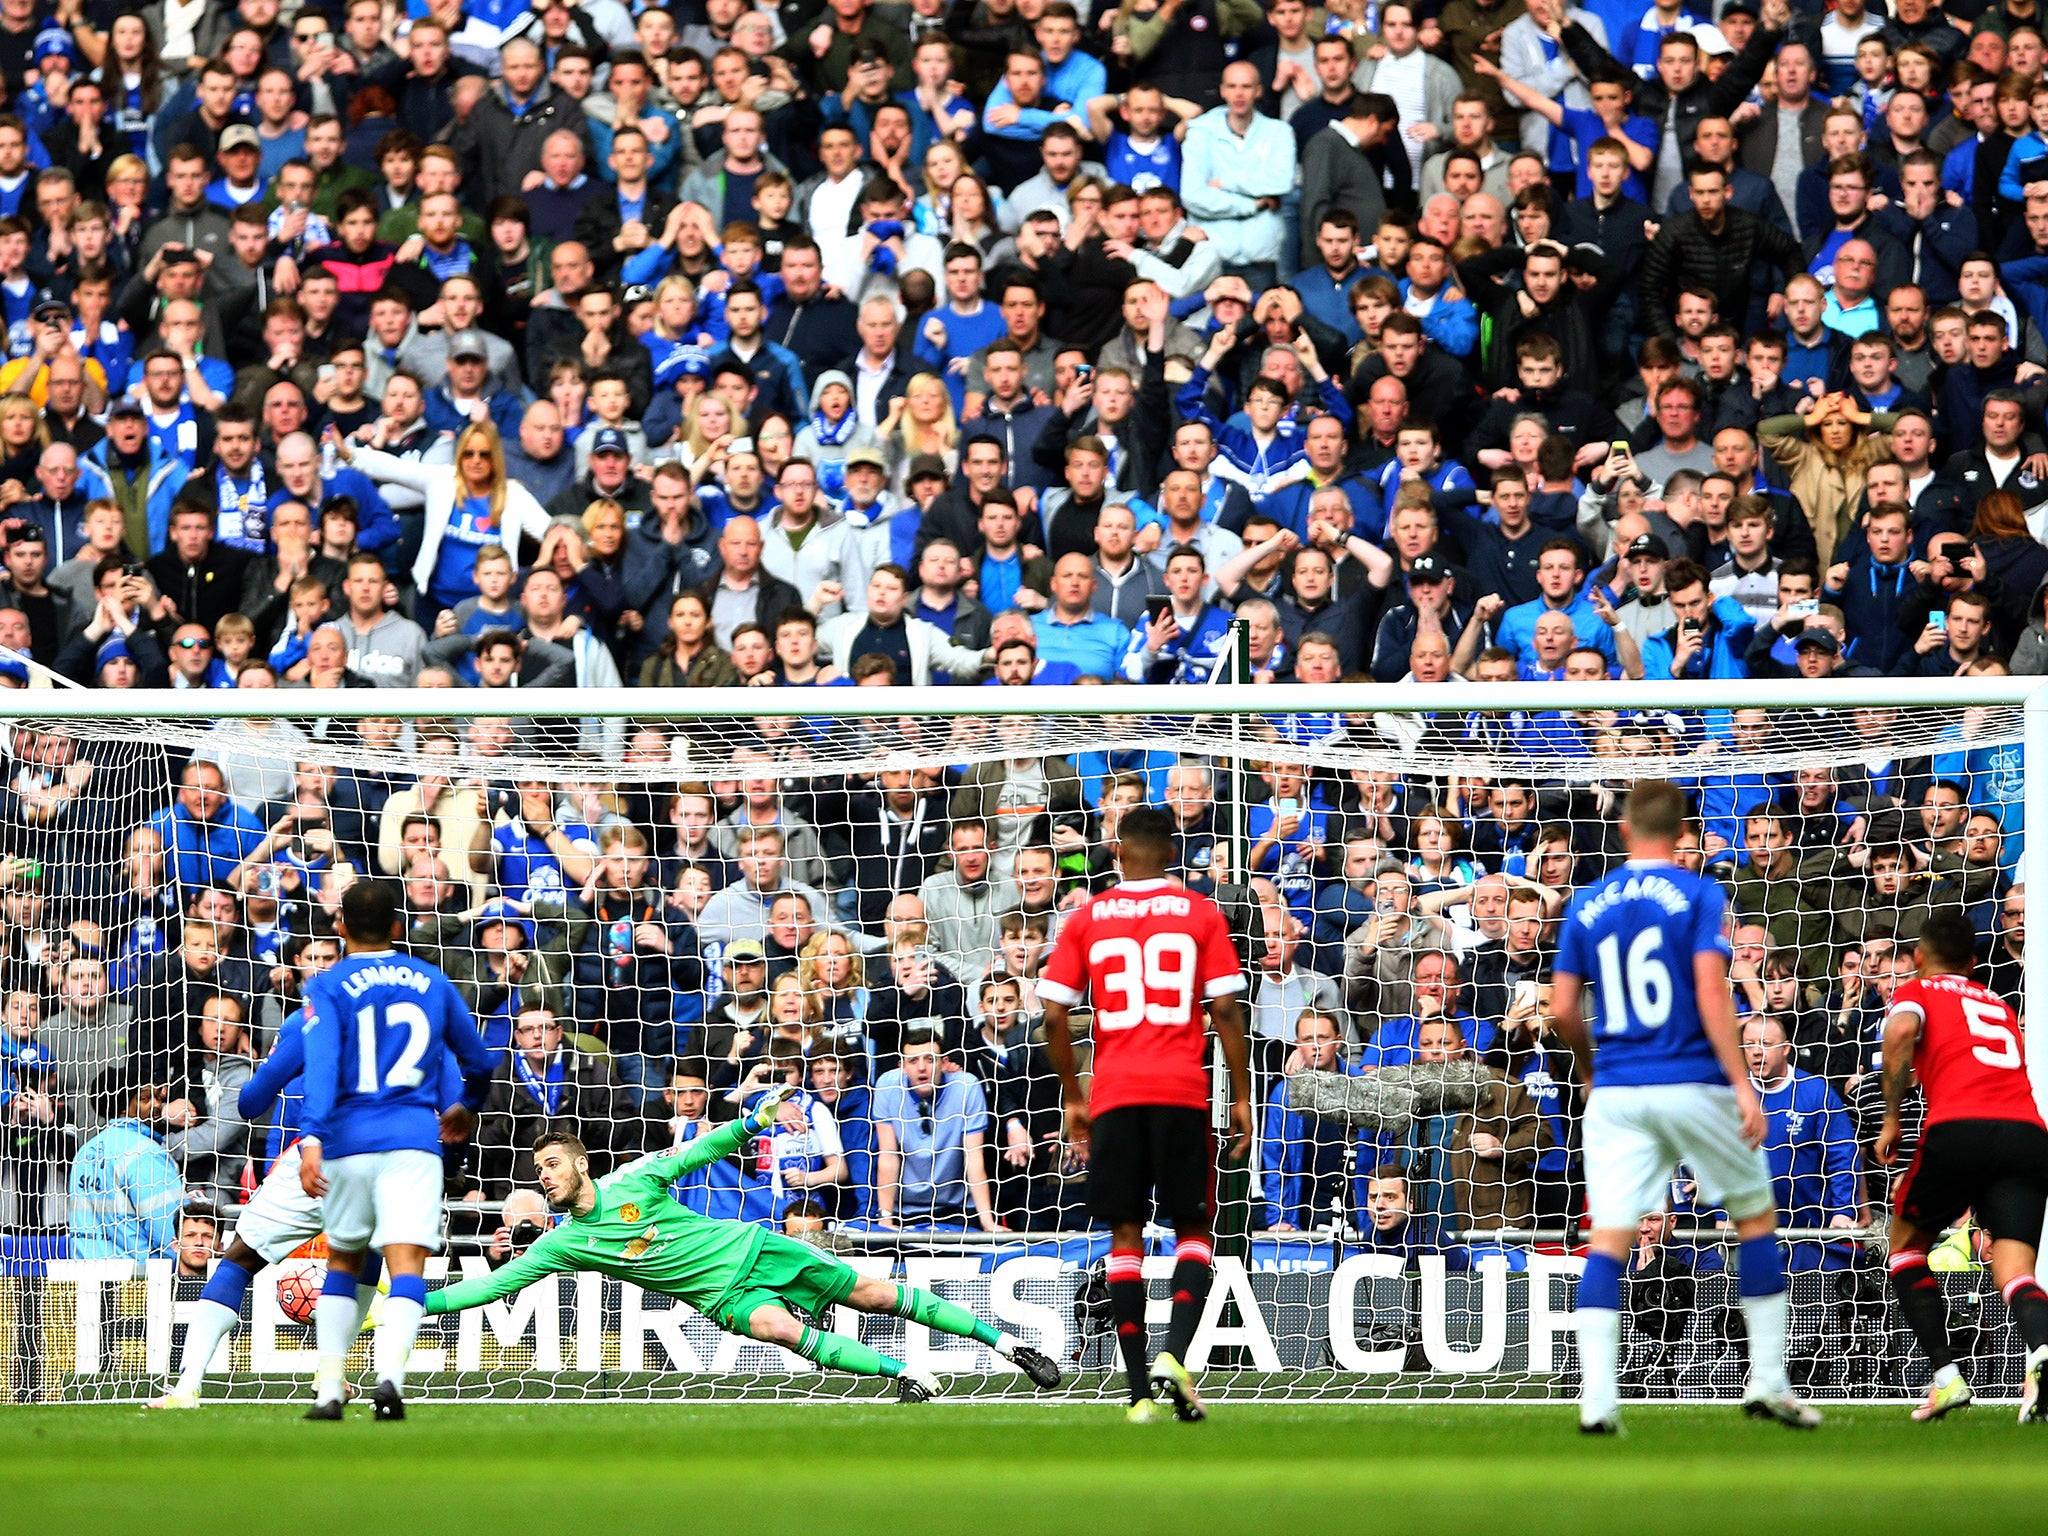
point(741, 1276)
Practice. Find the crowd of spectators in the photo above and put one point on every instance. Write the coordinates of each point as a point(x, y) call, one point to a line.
point(988, 342)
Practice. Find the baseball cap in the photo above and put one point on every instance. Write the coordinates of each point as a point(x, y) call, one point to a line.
point(609, 440)
point(1813, 638)
point(1750, 8)
point(1712, 40)
point(1428, 567)
point(468, 344)
point(505, 912)
point(872, 457)
point(127, 405)
point(240, 136)
point(926, 466)
point(1648, 545)
point(49, 307)
point(745, 950)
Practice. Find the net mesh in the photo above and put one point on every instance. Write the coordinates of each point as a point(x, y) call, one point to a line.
point(593, 888)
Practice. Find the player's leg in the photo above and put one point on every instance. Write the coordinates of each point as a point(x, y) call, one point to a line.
point(760, 1316)
point(1120, 1180)
point(1184, 1167)
point(1707, 1128)
point(219, 1309)
point(349, 1211)
point(890, 1299)
point(1628, 1171)
point(1923, 1205)
point(2011, 1210)
point(408, 1193)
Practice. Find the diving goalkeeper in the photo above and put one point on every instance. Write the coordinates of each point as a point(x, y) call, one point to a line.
point(740, 1275)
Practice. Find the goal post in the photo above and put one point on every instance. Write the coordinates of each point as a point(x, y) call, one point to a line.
point(832, 837)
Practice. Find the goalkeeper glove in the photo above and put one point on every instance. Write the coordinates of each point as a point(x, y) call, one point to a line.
point(762, 1115)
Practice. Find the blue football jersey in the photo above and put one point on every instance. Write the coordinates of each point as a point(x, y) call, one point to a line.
point(1631, 938)
point(376, 1027)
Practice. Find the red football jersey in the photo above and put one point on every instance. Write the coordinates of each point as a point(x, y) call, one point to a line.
point(1150, 956)
point(1971, 1058)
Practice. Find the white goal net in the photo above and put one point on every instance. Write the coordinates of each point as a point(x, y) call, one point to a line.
point(658, 905)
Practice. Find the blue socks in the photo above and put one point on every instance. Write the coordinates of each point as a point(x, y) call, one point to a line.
point(1762, 1266)
point(228, 1284)
point(1600, 1285)
point(409, 1288)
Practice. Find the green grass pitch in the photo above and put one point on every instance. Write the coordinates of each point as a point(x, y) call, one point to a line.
point(880, 1467)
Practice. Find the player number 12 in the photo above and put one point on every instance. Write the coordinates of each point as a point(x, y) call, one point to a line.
point(405, 1072)
point(1648, 985)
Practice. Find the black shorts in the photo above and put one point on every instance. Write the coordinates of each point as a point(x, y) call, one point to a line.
point(1995, 1168)
point(1144, 1153)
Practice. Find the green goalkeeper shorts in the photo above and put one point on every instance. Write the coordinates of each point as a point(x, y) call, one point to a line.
point(785, 1273)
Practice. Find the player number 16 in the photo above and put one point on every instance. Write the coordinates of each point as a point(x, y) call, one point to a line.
point(1647, 988)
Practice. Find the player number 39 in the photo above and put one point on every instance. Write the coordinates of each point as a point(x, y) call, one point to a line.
point(1135, 976)
point(1647, 988)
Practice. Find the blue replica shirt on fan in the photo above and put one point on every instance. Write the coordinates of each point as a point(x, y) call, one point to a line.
point(1632, 939)
point(376, 1028)
point(470, 527)
point(526, 868)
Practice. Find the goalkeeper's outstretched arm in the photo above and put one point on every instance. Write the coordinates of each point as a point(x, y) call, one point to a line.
point(549, 1255)
point(713, 1145)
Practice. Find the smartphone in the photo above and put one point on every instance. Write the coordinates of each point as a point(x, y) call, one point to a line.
point(1690, 626)
point(1083, 371)
point(324, 40)
point(1525, 994)
point(1157, 604)
point(1286, 807)
point(1619, 448)
point(1938, 622)
point(1803, 610)
point(134, 568)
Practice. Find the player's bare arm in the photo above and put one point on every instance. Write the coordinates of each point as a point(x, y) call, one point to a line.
point(1059, 1046)
point(1226, 1018)
point(1569, 1023)
point(1901, 1036)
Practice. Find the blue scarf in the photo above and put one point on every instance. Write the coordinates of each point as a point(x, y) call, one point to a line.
point(244, 518)
point(546, 1091)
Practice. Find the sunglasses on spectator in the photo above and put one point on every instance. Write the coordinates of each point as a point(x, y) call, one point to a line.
point(193, 645)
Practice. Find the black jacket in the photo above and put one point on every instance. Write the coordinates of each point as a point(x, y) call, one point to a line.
point(1686, 253)
point(819, 331)
point(599, 222)
point(1573, 319)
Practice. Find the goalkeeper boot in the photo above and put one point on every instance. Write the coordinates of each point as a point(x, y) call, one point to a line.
point(2034, 1389)
point(1145, 1411)
point(387, 1403)
point(1944, 1398)
point(1787, 1407)
point(1175, 1383)
point(1041, 1368)
point(177, 1397)
point(914, 1388)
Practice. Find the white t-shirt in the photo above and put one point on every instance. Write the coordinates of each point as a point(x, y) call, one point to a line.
point(1403, 80)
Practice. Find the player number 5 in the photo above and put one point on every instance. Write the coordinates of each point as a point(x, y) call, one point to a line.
point(1988, 1024)
point(1166, 963)
point(1647, 987)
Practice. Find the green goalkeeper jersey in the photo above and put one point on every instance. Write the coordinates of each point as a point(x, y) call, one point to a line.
point(638, 1233)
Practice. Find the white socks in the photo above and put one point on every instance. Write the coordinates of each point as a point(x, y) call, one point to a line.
point(202, 1337)
point(1768, 1318)
point(1006, 1345)
point(335, 1321)
point(1599, 1364)
point(396, 1330)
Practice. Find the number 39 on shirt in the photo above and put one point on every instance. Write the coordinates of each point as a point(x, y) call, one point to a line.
point(1148, 983)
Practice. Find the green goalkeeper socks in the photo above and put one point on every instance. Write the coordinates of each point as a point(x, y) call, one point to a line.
point(836, 1352)
point(937, 1312)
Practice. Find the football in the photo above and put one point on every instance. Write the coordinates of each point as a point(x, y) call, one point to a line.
point(298, 1288)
